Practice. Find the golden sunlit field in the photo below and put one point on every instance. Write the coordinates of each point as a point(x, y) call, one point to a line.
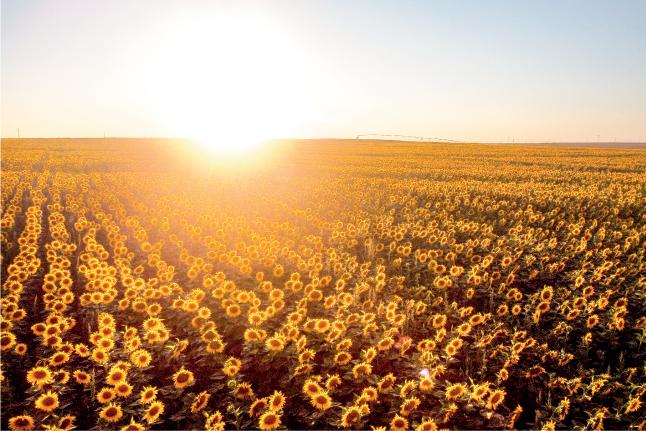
point(322, 285)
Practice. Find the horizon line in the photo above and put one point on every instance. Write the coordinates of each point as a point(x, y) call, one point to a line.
point(360, 137)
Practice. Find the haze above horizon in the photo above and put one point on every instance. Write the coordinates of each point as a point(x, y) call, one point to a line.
point(243, 71)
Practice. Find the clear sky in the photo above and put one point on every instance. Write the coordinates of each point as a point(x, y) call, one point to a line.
point(475, 70)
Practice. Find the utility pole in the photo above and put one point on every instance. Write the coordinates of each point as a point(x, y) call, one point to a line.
point(18, 132)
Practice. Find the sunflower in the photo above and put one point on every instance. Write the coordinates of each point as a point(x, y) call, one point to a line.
point(332, 382)
point(115, 376)
point(311, 388)
point(543, 307)
point(350, 417)
point(214, 422)
point(274, 344)
point(111, 413)
point(547, 293)
point(495, 399)
point(464, 329)
point(61, 377)
point(183, 378)
point(215, 346)
point(549, 426)
point(123, 389)
point(231, 370)
point(67, 422)
point(277, 401)
point(306, 356)
point(82, 377)
point(140, 358)
point(592, 321)
point(153, 412)
point(21, 423)
point(426, 384)
point(386, 383)
point(342, 358)
point(200, 401)
point(258, 406)
point(369, 354)
point(427, 425)
point(322, 325)
point(633, 405)
point(106, 395)
point(233, 310)
point(243, 391)
point(52, 341)
point(439, 320)
point(344, 344)
point(455, 391)
point(20, 349)
point(147, 395)
point(321, 401)
point(100, 356)
point(370, 393)
point(399, 423)
point(47, 402)
point(7, 340)
point(39, 376)
point(478, 392)
point(269, 421)
point(250, 335)
point(106, 344)
point(503, 374)
point(82, 350)
point(409, 405)
point(133, 426)
point(361, 369)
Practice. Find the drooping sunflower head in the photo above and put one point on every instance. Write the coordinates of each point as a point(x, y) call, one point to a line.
point(350, 417)
point(200, 401)
point(455, 391)
point(153, 412)
point(66, 422)
point(21, 423)
point(495, 399)
point(257, 407)
point(244, 391)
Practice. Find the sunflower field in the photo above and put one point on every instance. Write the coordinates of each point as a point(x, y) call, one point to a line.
point(332, 285)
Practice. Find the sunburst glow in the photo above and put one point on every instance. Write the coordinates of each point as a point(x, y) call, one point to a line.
point(228, 81)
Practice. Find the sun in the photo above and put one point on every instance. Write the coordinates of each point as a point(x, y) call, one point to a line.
point(227, 144)
point(227, 80)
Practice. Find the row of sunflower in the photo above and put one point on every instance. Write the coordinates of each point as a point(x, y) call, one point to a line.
point(455, 288)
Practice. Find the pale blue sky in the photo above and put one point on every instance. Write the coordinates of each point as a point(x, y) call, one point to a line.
point(478, 70)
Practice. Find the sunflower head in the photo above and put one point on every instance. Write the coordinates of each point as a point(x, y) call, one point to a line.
point(269, 421)
point(183, 378)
